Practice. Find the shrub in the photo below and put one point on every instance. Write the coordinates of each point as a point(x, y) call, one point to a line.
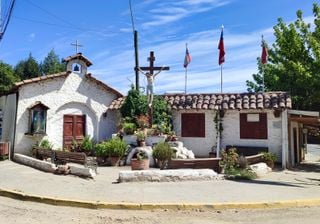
point(87, 144)
point(229, 159)
point(101, 149)
point(116, 147)
point(163, 153)
point(269, 156)
point(129, 128)
point(243, 162)
point(45, 144)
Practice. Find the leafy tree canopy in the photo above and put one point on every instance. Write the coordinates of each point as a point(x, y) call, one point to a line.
point(7, 77)
point(52, 64)
point(294, 62)
point(28, 68)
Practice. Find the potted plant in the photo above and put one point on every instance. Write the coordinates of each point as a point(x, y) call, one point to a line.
point(162, 152)
point(140, 161)
point(101, 153)
point(129, 128)
point(269, 158)
point(115, 149)
point(141, 138)
point(87, 145)
point(142, 121)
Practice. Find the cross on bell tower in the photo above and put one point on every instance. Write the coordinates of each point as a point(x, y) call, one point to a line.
point(77, 45)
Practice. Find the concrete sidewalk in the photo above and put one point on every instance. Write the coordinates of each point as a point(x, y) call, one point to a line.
point(279, 188)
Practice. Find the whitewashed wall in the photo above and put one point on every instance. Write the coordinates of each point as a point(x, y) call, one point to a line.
point(200, 146)
point(8, 107)
point(72, 95)
point(231, 132)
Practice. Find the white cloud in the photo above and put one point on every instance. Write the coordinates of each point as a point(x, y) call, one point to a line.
point(31, 37)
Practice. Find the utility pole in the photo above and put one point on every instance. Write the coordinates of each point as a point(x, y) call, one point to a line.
point(136, 56)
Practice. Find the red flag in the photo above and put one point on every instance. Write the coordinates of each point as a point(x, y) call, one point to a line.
point(264, 54)
point(187, 58)
point(221, 49)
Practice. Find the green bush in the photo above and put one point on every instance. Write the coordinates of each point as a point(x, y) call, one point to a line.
point(116, 147)
point(269, 156)
point(45, 144)
point(129, 128)
point(87, 144)
point(163, 153)
point(229, 159)
point(101, 149)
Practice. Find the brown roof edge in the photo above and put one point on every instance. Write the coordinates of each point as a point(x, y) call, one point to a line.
point(103, 85)
point(41, 78)
point(78, 56)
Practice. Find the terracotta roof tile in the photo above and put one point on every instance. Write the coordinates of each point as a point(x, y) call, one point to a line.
point(78, 56)
point(240, 101)
point(40, 78)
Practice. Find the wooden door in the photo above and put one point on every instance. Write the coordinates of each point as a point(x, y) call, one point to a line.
point(73, 129)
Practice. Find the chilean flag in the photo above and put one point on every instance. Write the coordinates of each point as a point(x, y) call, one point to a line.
point(187, 58)
point(221, 49)
point(264, 54)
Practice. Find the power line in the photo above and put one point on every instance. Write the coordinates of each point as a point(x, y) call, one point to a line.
point(6, 19)
point(131, 13)
point(53, 15)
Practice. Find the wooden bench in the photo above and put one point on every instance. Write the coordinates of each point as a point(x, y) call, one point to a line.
point(75, 157)
point(41, 153)
point(201, 163)
point(248, 150)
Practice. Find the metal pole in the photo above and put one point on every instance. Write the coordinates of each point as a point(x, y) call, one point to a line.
point(185, 80)
point(136, 58)
point(221, 78)
point(262, 71)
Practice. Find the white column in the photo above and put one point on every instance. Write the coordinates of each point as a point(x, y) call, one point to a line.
point(284, 137)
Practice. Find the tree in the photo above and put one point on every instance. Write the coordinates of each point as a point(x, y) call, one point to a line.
point(52, 64)
point(294, 62)
point(7, 77)
point(28, 68)
point(134, 105)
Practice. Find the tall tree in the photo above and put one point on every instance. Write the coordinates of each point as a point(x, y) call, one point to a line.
point(7, 77)
point(294, 62)
point(52, 64)
point(28, 68)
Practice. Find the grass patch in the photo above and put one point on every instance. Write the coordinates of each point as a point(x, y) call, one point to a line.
point(240, 174)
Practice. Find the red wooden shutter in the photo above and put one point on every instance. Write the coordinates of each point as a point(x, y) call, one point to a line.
point(193, 125)
point(254, 130)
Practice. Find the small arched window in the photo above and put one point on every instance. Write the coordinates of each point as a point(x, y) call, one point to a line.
point(38, 118)
point(76, 68)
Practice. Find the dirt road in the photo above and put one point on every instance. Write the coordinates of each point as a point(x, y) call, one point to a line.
point(13, 211)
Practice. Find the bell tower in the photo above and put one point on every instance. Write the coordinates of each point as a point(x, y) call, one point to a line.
point(77, 64)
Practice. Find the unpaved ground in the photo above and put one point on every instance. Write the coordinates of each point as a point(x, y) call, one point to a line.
point(16, 212)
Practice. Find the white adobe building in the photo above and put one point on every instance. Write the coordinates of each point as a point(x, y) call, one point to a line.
point(60, 107)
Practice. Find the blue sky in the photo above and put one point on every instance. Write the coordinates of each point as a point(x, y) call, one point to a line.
point(104, 29)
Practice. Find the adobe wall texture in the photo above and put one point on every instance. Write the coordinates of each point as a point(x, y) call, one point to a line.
point(231, 132)
point(71, 95)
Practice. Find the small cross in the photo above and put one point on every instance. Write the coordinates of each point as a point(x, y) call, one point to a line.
point(76, 45)
point(151, 67)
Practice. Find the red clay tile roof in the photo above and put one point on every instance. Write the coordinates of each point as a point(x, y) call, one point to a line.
point(228, 101)
point(78, 56)
point(40, 78)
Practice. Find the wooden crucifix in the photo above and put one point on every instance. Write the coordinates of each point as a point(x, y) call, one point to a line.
point(150, 78)
point(151, 75)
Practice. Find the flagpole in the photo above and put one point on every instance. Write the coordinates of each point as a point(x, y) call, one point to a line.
point(221, 78)
point(185, 80)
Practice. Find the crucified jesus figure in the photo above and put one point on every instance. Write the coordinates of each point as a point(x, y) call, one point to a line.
point(150, 85)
